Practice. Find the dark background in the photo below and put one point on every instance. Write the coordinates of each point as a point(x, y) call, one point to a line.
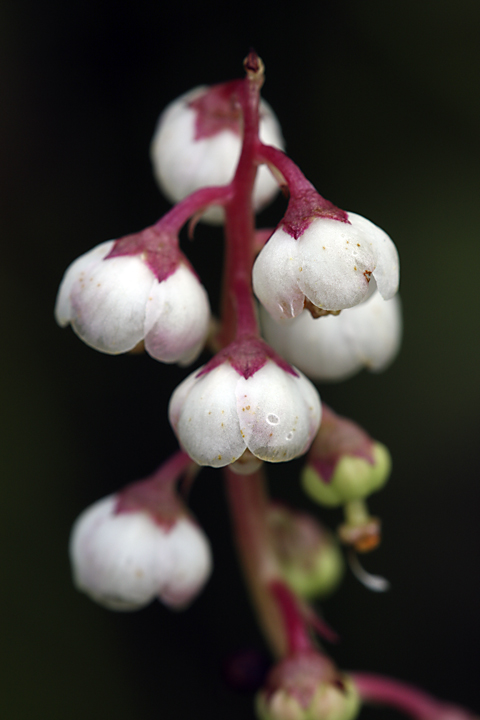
point(379, 106)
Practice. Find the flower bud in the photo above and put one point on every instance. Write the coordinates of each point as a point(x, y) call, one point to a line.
point(326, 263)
point(344, 464)
point(197, 143)
point(336, 347)
point(246, 397)
point(124, 559)
point(309, 557)
point(307, 686)
point(138, 288)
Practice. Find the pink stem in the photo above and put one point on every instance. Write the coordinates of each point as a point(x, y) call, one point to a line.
point(248, 505)
point(175, 219)
point(305, 202)
point(413, 702)
point(172, 468)
point(298, 639)
point(296, 181)
point(279, 611)
point(156, 494)
point(276, 607)
point(237, 296)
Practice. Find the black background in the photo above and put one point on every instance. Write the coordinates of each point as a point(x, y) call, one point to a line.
point(379, 106)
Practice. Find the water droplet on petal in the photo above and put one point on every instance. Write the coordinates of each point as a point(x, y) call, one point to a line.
point(273, 419)
point(289, 436)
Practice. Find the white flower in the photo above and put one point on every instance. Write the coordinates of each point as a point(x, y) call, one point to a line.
point(184, 162)
point(114, 303)
point(329, 265)
point(219, 412)
point(336, 347)
point(125, 560)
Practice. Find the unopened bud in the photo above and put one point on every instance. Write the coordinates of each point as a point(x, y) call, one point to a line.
point(344, 463)
point(310, 559)
point(124, 559)
point(198, 141)
point(307, 686)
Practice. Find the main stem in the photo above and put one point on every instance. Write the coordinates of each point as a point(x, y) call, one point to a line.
point(248, 504)
point(277, 610)
point(238, 309)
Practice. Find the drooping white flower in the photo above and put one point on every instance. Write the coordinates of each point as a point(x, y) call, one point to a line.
point(126, 291)
point(245, 398)
point(124, 560)
point(326, 263)
point(197, 143)
point(336, 347)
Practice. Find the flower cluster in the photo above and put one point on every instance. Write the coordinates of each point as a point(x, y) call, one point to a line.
point(326, 280)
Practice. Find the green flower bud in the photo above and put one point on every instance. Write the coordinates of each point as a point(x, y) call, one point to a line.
point(307, 686)
point(354, 478)
point(309, 556)
point(344, 463)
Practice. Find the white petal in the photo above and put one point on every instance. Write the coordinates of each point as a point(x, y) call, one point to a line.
point(191, 566)
point(109, 303)
point(332, 264)
point(275, 276)
point(334, 348)
point(204, 416)
point(317, 346)
point(336, 264)
point(63, 307)
point(177, 317)
point(179, 396)
point(279, 413)
point(376, 329)
point(118, 559)
point(386, 272)
point(182, 164)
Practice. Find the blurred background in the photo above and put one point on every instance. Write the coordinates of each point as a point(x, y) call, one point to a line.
point(379, 106)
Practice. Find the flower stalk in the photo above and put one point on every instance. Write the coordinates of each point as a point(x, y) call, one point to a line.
point(415, 703)
point(173, 221)
point(238, 309)
point(305, 201)
point(248, 504)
